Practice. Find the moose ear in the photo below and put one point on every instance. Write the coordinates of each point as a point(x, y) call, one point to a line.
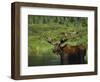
point(50, 40)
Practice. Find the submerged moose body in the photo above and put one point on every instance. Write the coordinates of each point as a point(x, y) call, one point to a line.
point(69, 54)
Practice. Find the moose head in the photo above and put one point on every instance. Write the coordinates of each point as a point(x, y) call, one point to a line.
point(58, 45)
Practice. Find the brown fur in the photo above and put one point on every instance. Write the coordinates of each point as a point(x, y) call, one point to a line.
point(71, 54)
point(71, 50)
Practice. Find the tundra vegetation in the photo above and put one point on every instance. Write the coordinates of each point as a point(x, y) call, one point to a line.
point(40, 28)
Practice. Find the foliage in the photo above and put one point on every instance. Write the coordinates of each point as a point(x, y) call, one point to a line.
point(42, 27)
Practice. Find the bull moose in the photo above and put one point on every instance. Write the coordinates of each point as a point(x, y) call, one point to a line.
point(69, 54)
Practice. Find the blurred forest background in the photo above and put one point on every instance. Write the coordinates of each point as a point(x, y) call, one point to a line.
point(42, 27)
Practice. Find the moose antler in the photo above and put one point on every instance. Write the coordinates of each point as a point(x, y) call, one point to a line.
point(71, 35)
point(67, 36)
point(50, 40)
point(64, 37)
